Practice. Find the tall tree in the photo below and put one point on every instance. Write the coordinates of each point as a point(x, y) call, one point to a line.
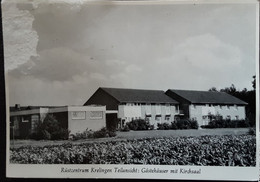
point(253, 82)
point(213, 89)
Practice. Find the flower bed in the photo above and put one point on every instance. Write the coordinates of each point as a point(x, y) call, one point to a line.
point(204, 150)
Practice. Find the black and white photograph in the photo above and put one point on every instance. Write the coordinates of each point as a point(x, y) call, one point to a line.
point(132, 89)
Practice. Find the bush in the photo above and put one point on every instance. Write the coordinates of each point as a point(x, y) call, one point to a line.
point(194, 124)
point(186, 124)
point(163, 126)
point(40, 135)
point(180, 124)
point(102, 133)
point(62, 134)
point(140, 124)
point(125, 128)
point(84, 135)
point(50, 129)
point(251, 131)
point(227, 123)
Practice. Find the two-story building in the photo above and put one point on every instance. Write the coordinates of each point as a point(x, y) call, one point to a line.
point(125, 105)
point(203, 105)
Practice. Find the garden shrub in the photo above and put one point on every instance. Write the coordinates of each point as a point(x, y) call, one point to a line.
point(187, 124)
point(84, 135)
point(140, 124)
point(227, 123)
point(163, 126)
point(252, 131)
point(180, 124)
point(174, 126)
point(102, 133)
point(50, 129)
point(125, 128)
point(194, 124)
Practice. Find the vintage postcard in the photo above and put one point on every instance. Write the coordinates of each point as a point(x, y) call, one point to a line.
point(132, 89)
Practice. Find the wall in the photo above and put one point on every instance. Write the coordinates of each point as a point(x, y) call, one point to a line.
point(155, 113)
point(23, 123)
point(100, 97)
point(94, 118)
point(183, 103)
point(201, 110)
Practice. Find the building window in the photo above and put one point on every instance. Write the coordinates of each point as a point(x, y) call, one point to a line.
point(220, 106)
point(16, 123)
point(35, 121)
point(204, 117)
point(148, 118)
point(158, 118)
point(236, 107)
point(167, 118)
point(95, 114)
point(237, 117)
point(194, 119)
point(82, 115)
point(25, 120)
point(176, 109)
point(228, 107)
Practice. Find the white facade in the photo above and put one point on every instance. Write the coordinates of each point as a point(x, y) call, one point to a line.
point(155, 113)
point(74, 118)
point(81, 118)
point(201, 112)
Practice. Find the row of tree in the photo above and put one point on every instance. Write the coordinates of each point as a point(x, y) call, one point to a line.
point(248, 96)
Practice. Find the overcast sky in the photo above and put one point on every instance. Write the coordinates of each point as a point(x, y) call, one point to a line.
point(59, 53)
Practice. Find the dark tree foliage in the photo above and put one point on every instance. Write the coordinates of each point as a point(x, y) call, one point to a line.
point(50, 129)
point(213, 89)
point(253, 82)
point(248, 96)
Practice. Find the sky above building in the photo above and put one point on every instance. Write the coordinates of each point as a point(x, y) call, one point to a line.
point(60, 53)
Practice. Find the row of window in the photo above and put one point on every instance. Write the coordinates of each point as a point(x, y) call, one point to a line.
point(219, 106)
point(228, 117)
point(149, 118)
point(139, 104)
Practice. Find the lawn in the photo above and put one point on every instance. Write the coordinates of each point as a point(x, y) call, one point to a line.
point(121, 136)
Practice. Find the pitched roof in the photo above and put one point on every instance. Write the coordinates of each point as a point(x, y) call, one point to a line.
point(139, 96)
point(210, 97)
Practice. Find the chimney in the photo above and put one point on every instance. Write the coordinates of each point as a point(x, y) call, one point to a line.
point(17, 106)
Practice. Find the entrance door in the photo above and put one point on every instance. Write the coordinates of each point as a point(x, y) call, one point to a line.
point(25, 127)
point(111, 121)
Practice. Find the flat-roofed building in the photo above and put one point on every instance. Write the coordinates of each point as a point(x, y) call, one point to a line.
point(24, 120)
